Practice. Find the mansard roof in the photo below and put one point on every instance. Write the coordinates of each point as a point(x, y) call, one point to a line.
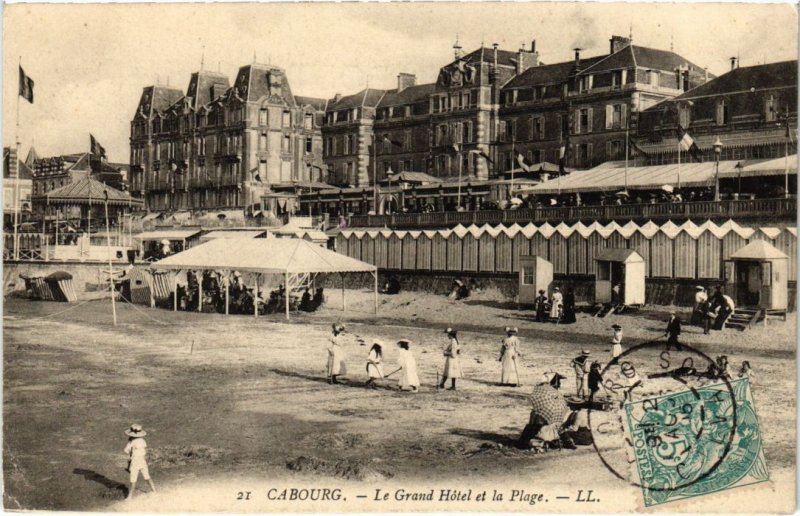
point(767, 76)
point(408, 95)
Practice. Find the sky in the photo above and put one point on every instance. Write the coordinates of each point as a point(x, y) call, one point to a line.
point(90, 62)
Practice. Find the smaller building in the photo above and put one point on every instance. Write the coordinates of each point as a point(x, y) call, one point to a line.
point(17, 180)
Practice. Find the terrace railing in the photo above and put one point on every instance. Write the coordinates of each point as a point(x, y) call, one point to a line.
point(768, 208)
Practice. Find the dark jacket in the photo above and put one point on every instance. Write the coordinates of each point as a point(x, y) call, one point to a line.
point(674, 326)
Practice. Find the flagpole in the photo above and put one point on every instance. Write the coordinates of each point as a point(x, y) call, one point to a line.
point(458, 199)
point(513, 159)
point(16, 167)
point(626, 154)
point(110, 269)
point(679, 163)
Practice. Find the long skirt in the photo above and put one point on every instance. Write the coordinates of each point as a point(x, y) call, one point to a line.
point(336, 364)
point(724, 313)
point(452, 368)
point(508, 375)
point(408, 376)
point(374, 370)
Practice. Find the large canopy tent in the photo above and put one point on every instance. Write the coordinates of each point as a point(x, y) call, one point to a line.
point(296, 260)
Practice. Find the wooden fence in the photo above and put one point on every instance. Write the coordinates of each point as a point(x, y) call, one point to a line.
point(685, 251)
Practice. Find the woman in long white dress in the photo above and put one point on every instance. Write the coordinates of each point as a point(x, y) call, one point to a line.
point(616, 342)
point(452, 363)
point(509, 351)
point(557, 301)
point(336, 364)
point(409, 380)
point(374, 367)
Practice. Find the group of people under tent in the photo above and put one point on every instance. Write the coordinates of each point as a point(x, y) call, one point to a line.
point(559, 308)
point(212, 285)
point(711, 313)
point(408, 378)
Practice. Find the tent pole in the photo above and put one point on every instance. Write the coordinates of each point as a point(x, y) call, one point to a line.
point(227, 297)
point(343, 304)
point(255, 299)
point(152, 283)
point(200, 292)
point(375, 274)
point(286, 294)
point(175, 291)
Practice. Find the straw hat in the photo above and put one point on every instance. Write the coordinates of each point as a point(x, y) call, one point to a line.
point(541, 291)
point(165, 242)
point(236, 274)
point(616, 327)
point(557, 289)
point(510, 329)
point(135, 431)
point(585, 353)
point(698, 287)
point(450, 331)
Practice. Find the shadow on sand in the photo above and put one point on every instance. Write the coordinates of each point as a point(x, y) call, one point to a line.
point(112, 485)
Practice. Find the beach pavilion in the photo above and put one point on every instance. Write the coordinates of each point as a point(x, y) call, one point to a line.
point(293, 259)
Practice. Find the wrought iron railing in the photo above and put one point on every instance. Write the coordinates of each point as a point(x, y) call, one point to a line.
point(769, 208)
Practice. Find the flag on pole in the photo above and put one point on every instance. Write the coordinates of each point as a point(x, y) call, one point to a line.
point(521, 160)
point(483, 155)
point(25, 86)
point(688, 144)
point(95, 147)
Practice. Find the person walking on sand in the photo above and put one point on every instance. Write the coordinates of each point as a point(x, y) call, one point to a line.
point(556, 301)
point(136, 450)
point(409, 380)
point(673, 330)
point(581, 366)
point(452, 363)
point(616, 342)
point(336, 365)
point(374, 368)
point(509, 351)
point(540, 304)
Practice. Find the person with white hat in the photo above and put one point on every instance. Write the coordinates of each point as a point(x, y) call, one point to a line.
point(452, 363)
point(374, 368)
point(336, 364)
point(136, 450)
point(409, 379)
point(509, 351)
point(166, 250)
point(556, 302)
point(700, 297)
point(616, 342)
point(581, 366)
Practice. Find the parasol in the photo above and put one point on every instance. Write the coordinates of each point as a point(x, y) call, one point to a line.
point(549, 403)
point(516, 201)
point(667, 188)
point(622, 193)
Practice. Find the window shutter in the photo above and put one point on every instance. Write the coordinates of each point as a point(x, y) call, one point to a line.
point(589, 120)
point(589, 154)
point(543, 130)
point(609, 116)
point(623, 115)
point(624, 76)
point(576, 122)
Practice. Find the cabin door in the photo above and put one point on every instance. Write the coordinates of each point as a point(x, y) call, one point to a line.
point(748, 284)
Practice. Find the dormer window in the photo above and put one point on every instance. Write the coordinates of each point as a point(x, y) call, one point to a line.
point(723, 115)
point(770, 110)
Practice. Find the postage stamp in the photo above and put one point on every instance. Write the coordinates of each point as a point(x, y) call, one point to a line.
point(696, 442)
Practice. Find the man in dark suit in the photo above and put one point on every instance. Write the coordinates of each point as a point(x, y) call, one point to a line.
point(673, 330)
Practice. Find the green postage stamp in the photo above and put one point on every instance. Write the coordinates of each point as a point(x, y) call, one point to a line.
point(696, 442)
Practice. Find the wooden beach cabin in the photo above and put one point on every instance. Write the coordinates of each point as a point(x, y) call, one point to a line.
point(756, 277)
point(535, 274)
point(623, 268)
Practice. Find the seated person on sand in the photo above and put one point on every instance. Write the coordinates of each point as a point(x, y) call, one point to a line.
point(391, 286)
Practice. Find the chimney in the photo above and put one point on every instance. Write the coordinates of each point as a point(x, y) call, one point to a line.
point(679, 73)
point(405, 80)
point(494, 46)
point(457, 49)
point(705, 70)
point(577, 58)
point(733, 63)
point(533, 46)
point(618, 43)
point(337, 97)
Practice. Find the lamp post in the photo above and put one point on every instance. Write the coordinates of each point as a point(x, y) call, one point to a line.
point(717, 151)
